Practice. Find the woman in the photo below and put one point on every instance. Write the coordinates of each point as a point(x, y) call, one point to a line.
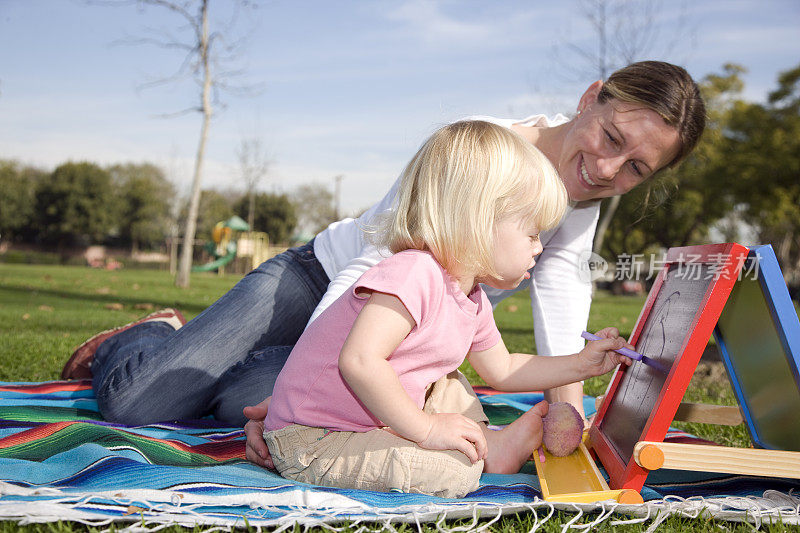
point(644, 118)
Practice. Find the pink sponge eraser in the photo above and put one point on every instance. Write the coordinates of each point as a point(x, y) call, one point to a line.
point(562, 428)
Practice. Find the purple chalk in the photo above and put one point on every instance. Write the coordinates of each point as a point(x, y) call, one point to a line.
point(627, 352)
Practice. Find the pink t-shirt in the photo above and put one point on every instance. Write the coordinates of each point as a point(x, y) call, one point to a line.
point(311, 391)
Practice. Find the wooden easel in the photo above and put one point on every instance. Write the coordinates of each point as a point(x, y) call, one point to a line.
point(576, 478)
point(712, 458)
point(700, 306)
point(759, 307)
point(725, 460)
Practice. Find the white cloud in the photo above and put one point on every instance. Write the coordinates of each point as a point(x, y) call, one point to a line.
point(429, 23)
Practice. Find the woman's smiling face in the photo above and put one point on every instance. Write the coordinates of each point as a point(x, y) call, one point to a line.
point(612, 147)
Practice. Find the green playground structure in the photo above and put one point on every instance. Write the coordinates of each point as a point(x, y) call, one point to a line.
point(223, 247)
point(221, 261)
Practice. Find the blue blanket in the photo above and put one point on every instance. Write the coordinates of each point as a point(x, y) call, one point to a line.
point(60, 461)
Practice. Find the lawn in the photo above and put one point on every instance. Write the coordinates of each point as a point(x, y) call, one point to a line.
point(48, 310)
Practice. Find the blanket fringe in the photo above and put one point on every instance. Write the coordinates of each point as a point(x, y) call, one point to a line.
point(151, 510)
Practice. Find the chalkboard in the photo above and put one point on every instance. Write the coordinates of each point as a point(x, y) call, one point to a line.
point(665, 331)
point(673, 328)
point(758, 336)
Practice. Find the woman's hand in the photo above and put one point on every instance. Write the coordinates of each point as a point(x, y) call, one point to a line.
point(451, 431)
point(599, 356)
point(257, 451)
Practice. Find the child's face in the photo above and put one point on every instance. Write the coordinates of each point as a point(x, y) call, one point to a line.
point(516, 243)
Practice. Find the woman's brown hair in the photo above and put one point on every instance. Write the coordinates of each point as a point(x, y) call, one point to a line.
point(668, 90)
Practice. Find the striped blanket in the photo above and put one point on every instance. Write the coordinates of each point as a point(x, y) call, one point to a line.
point(59, 460)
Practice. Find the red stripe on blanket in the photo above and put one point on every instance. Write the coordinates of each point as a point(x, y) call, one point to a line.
point(219, 451)
point(49, 386)
point(35, 433)
point(485, 390)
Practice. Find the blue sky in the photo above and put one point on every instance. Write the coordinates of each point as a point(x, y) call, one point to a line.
point(345, 87)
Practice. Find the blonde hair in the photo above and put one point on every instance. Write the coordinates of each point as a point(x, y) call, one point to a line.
point(464, 179)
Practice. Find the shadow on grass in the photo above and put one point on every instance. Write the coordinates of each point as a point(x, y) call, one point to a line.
point(183, 306)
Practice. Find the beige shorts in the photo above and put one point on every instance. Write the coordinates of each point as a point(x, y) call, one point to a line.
point(380, 460)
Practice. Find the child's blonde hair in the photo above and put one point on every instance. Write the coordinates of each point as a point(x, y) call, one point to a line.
point(464, 179)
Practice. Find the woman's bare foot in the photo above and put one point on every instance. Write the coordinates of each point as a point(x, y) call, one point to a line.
point(572, 393)
point(510, 447)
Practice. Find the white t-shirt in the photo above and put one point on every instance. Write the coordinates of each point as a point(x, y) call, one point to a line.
point(560, 299)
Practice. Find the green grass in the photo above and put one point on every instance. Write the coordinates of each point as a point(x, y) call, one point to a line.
point(48, 310)
point(45, 311)
point(513, 317)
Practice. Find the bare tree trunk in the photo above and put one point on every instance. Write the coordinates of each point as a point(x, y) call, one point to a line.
point(602, 59)
point(605, 221)
point(794, 278)
point(185, 264)
point(337, 192)
point(784, 257)
point(251, 210)
point(254, 163)
point(198, 47)
point(617, 48)
point(602, 71)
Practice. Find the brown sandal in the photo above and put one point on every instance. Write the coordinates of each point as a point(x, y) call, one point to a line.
point(79, 365)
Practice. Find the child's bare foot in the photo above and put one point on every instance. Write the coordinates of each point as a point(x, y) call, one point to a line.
point(514, 444)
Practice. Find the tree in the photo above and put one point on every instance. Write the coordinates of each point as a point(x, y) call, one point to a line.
point(202, 68)
point(762, 145)
point(214, 207)
point(76, 204)
point(17, 193)
point(146, 204)
point(203, 62)
point(273, 214)
point(314, 205)
point(253, 164)
point(625, 31)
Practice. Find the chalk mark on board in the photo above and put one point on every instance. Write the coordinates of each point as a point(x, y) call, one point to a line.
point(653, 346)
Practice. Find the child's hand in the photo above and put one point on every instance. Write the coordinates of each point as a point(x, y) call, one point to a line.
point(599, 356)
point(256, 450)
point(451, 431)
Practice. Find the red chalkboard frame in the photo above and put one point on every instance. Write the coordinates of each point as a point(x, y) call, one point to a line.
point(727, 260)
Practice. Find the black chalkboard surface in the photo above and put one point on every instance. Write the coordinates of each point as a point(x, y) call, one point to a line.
point(665, 331)
point(673, 329)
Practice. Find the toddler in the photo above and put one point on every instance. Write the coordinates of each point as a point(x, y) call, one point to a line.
point(366, 399)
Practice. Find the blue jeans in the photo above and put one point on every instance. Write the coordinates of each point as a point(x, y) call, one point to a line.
point(225, 358)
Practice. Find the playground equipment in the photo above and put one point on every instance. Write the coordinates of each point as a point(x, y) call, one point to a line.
point(253, 245)
point(224, 248)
